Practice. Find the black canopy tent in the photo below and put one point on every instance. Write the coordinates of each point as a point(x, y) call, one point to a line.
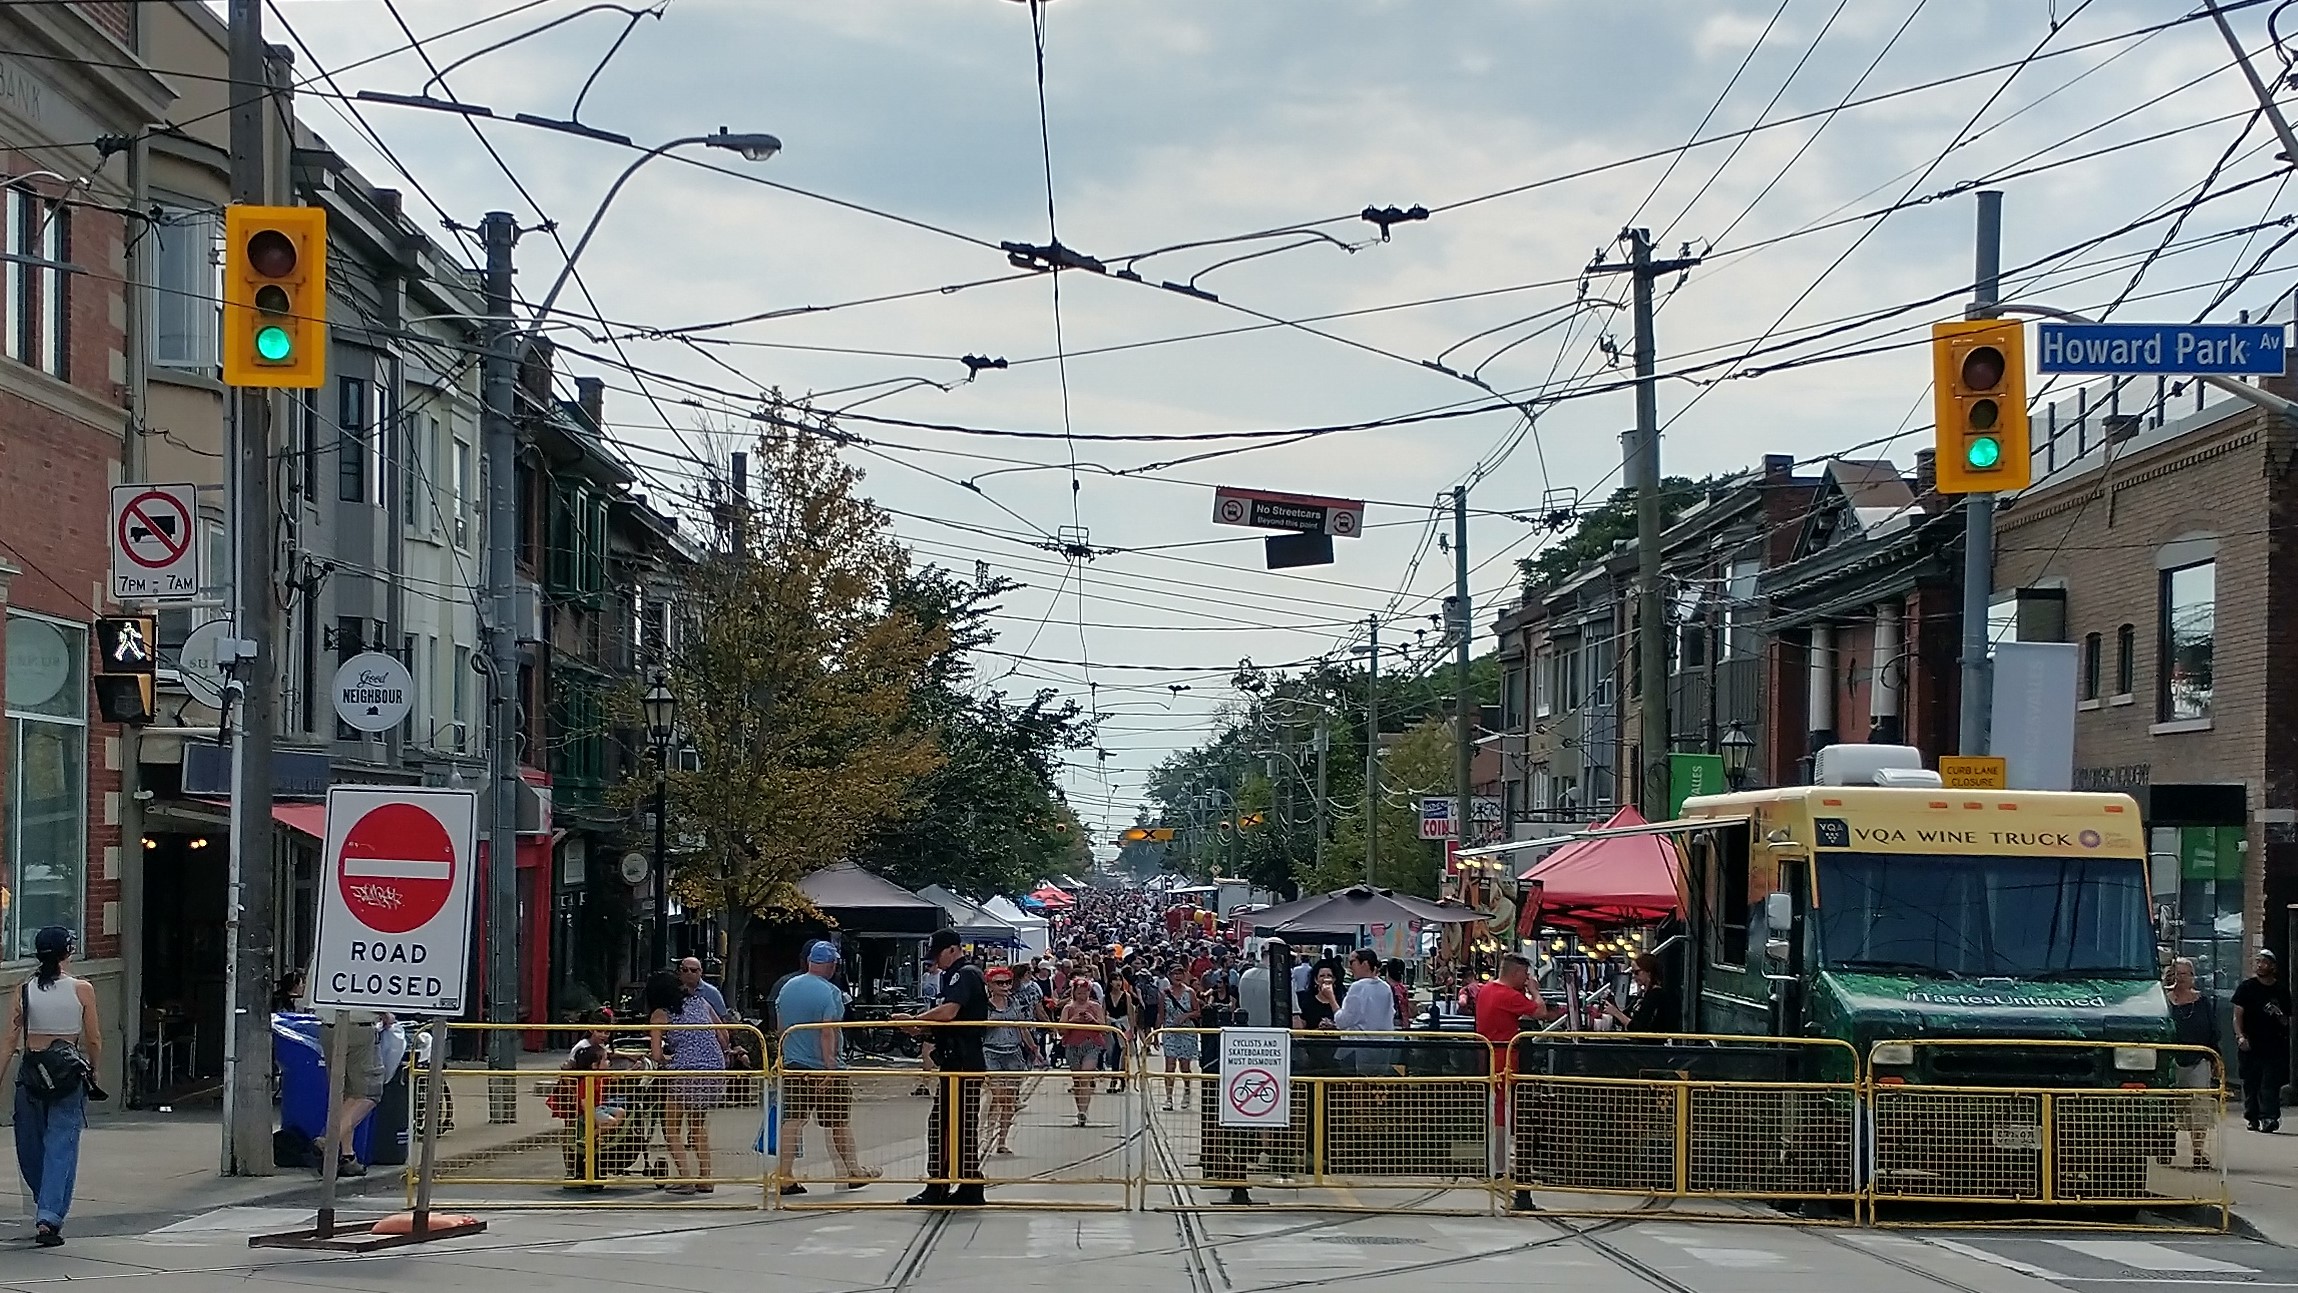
point(866, 905)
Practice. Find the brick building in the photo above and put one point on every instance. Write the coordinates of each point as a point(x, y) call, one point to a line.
point(2158, 542)
point(71, 94)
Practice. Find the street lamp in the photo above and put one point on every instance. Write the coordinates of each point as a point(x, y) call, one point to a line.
point(754, 147)
point(661, 707)
point(1737, 747)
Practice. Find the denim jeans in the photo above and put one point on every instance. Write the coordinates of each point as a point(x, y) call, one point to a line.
point(48, 1149)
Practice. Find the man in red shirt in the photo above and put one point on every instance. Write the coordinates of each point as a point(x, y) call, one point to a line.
point(1502, 1006)
point(1502, 1010)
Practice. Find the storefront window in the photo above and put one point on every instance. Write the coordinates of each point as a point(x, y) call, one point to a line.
point(46, 866)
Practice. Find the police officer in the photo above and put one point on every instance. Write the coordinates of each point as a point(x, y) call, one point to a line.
point(963, 999)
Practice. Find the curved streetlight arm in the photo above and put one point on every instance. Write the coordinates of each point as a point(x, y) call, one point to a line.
point(2240, 390)
point(754, 147)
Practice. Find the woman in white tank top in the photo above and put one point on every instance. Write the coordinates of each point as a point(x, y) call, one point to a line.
point(50, 1009)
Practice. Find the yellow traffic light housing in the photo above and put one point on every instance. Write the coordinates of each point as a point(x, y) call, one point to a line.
point(1979, 399)
point(274, 296)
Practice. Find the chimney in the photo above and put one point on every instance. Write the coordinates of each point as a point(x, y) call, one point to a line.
point(1778, 467)
point(2120, 426)
point(1926, 473)
point(590, 396)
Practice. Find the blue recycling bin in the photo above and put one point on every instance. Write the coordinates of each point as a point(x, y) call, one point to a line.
point(303, 1083)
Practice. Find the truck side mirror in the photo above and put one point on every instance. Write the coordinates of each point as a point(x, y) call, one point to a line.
point(1779, 912)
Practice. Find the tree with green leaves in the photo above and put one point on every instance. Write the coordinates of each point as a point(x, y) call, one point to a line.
point(797, 667)
point(991, 818)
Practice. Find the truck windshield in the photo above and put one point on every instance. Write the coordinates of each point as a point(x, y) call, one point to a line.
point(1962, 916)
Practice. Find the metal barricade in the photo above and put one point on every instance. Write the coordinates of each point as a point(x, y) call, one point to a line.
point(1649, 1116)
point(2084, 1125)
point(1031, 1128)
point(624, 1116)
point(1386, 1122)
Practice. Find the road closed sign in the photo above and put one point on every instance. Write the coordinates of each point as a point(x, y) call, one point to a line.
point(394, 925)
point(1256, 1077)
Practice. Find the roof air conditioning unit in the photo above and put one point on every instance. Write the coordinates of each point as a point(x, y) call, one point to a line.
point(1871, 765)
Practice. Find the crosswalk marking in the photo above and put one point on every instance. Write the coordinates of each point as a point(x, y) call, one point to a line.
point(1736, 1258)
point(2145, 1256)
point(650, 1245)
point(1997, 1259)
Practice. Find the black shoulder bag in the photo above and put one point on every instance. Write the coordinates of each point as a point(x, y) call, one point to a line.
point(57, 1071)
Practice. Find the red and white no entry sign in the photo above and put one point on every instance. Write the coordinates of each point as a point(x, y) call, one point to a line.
point(398, 868)
point(394, 928)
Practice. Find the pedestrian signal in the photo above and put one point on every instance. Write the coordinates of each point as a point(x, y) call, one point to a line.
point(125, 668)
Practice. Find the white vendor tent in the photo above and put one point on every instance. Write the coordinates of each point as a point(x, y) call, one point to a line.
point(1036, 933)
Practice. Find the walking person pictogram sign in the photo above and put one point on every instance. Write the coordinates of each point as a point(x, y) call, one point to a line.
point(155, 548)
point(1256, 1077)
point(394, 925)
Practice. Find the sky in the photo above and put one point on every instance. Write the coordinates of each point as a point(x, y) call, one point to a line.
point(913, 145)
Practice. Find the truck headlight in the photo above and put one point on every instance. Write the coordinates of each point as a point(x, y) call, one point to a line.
point(2134, 1059)
point(1895, 1054)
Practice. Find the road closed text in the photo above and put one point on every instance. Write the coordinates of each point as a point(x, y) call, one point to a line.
point(387, 969)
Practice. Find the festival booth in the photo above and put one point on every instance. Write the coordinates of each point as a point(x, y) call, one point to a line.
point(1035, 932)
point(975, 924)
point(1389, 922)
point(1607, 895)
point(881, 923)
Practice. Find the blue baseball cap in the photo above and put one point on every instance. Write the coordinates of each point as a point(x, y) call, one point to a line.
point(822, 952)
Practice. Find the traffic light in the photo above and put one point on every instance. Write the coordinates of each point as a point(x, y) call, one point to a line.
point(274, 296)
point(1979, 396)
point(125, 665)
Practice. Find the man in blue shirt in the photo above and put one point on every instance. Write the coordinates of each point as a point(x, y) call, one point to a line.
point(809, 1061)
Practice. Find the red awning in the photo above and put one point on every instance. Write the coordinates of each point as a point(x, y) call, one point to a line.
point(1627, 880)
point(304, 819)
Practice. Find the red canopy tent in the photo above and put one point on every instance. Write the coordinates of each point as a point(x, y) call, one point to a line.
point(1601, 883)
point(1053, 897)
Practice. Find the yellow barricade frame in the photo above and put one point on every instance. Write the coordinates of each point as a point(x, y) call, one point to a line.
point(645, 1093)
point(1308, 1142)
point(1686, 1131)
point(2203, 1110)
point(981, 1092)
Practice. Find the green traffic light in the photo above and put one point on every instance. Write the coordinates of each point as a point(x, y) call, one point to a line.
point(273, 344)
point(1983, 453)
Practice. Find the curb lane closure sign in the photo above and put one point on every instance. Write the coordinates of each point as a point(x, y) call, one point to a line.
point(1256, 1077)
point(394, 929)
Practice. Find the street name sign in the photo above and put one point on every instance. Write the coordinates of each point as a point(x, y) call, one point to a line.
point(155, 549)
point(1301, 513)
point(2215, 349)
point(1256, 1077)
point(394, 930)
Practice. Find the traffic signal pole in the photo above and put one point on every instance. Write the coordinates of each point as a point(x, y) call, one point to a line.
point(1464, 628)
point(248, 917)
point(498, 390)
point(1372, 749)
point(1979, 509)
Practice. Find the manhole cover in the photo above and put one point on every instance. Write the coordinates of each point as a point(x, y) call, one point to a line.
point(1368, 1240)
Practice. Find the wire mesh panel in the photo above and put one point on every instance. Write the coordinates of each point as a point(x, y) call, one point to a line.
point(1959, 1143)
point(1372, 1112)
point(1774, 1142)
point(627, 1116)
point(1596, 1135)
point(1683, 1116)
point(2149, 1140)
point(1030, 1131)
point(1420, 1128)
